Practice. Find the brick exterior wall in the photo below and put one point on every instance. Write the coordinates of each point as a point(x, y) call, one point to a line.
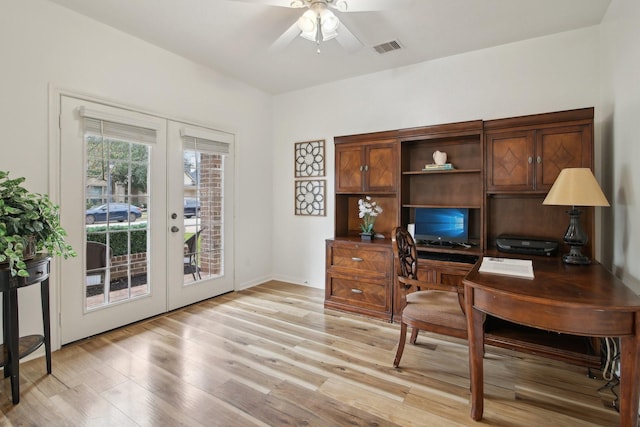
point(211, 197)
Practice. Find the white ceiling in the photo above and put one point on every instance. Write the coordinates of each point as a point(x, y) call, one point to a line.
point(234, 37)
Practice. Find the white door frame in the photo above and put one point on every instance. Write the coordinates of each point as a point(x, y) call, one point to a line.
point(55, 188)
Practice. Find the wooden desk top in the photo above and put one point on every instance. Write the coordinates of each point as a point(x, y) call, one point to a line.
point(567, 285)
point(581, 300)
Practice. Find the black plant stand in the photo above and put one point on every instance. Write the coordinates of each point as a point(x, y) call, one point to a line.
point(15, 347)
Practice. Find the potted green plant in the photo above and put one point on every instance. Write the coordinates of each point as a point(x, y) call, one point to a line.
point(29, 222)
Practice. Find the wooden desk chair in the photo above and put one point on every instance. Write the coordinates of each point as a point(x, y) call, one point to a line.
point(429, 306)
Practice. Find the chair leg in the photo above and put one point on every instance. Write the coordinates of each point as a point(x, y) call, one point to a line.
point(414, 335)
point(401, 341)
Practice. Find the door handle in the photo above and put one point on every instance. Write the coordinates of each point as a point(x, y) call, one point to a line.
point(174, 229)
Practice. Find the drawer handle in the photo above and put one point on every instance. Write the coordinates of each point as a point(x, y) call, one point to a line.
point(39, 273)
point(356, 259)
point(357, 291)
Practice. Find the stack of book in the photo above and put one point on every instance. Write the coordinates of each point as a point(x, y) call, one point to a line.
point(434, 167)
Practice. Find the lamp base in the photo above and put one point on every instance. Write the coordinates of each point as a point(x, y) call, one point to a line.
point(575, 237)
point(583, 260)
point(575, 256)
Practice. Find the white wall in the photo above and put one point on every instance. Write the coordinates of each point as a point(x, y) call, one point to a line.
point(552, 73)
point(44, 44)
point(621, 135)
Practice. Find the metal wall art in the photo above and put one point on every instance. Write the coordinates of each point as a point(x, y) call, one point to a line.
point(310, 197)
point(309, 159)
point(309, 193)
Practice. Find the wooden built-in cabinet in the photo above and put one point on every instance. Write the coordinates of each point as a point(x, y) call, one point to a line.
point(526, 154)
point(524, 157)
point(461, 187)
point(359, 274)
point(502, 171)
point(369, 167)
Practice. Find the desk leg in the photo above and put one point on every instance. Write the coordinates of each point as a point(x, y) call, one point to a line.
point(14, 350)
point(629, 373)
point(46, 321)
point(475, 332)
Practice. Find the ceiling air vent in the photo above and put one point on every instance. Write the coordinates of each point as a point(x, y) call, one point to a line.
point(387, 47)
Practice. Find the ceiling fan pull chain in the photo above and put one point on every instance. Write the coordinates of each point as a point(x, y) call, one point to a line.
point(318, 33)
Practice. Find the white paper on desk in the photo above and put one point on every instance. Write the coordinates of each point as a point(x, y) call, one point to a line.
point(507, 267)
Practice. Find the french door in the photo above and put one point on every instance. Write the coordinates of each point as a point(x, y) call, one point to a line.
point(200, 221)
point(146, 203)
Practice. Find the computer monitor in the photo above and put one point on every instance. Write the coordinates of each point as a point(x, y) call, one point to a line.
point(442, 225)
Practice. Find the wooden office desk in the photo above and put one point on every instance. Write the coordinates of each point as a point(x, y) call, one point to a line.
point(578, 300)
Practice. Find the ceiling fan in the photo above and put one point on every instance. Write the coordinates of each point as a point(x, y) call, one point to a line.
point(319, 24)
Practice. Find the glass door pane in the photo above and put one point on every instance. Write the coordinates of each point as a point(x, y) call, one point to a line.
point(203, 215)
point(201, 202)
point(116, 220)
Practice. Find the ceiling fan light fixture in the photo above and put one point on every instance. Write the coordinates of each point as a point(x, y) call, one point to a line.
point(318, 23)
point(329, 21)
point(307, 23)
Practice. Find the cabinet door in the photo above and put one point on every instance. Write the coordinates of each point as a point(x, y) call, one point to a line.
point(559, 148)
point(381, 167)
point(349, 169)
point(510, 161)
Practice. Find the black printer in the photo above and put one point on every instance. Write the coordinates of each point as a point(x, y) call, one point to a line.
point(527, 245)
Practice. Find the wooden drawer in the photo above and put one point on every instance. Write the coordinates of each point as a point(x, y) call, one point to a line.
point(363, 293)
point(369, 260)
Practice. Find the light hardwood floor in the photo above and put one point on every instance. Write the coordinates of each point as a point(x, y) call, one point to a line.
point(273, 356)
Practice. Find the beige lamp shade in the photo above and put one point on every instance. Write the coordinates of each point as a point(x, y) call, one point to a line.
point(576, 187)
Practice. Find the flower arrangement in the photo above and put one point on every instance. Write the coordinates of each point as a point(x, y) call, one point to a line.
point(369, 211)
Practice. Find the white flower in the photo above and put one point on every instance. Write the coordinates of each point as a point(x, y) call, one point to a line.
point(368, 211)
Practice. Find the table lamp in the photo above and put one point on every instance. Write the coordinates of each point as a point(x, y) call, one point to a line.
point(575, 187)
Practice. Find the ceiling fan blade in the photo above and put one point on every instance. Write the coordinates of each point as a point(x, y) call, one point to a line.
point(281, 3)
point(369, 5)
point(347, 40)
point(340, 5)
point(285, 39)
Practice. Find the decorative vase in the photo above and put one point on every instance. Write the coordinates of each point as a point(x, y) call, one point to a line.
point(367, 236)
point(29, 249)
point(440, 157)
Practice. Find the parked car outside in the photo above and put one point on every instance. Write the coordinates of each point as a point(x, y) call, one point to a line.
point(117, 212)
point(191, 208)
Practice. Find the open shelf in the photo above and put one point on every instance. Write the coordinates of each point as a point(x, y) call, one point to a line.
point(442, 206)
point(568, 348)
point(26, 345)
point(433, 172)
